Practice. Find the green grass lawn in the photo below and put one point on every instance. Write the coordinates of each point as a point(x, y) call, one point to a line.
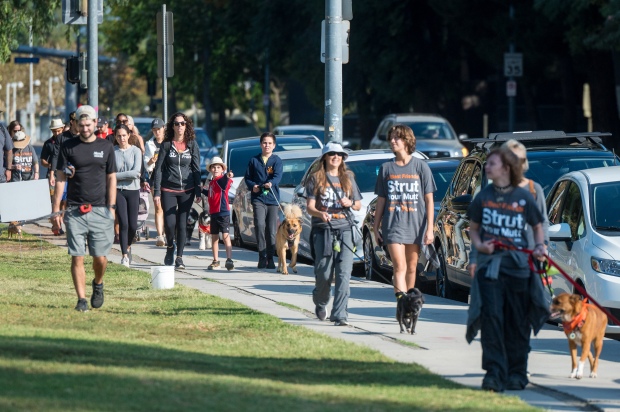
point(180, 350)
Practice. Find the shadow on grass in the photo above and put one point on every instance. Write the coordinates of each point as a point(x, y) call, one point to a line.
point(172, 379)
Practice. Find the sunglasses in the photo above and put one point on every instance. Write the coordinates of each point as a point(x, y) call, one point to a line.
point(124, 121)
point(335, 154)
point(179, 123)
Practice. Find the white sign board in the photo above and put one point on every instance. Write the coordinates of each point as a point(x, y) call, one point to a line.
point(24, 200)
point(511, 88)
point(344, 38)
point(513, 64)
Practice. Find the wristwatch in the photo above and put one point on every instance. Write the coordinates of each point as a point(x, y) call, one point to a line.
point(112, 207)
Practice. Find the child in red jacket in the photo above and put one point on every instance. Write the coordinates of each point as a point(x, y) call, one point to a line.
point(219, 210)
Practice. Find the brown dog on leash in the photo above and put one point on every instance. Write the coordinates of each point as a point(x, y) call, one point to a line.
point(287, 237)
point(584, 324)
point(15, 229)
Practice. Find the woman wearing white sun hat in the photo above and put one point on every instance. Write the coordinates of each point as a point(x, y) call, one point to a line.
point(25, 161)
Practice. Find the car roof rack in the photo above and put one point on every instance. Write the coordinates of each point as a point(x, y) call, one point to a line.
point(542, 137)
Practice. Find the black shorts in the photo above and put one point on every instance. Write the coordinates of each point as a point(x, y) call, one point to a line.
point(220, 224)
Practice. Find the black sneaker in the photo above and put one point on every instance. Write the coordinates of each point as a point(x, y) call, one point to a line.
point(515, 384)
point(320, 312)
point(169, 259)
point(262, 263)
point(96, 300)
point(82, 305)
point(270, 264)
point(229, 264)
point(178, 264)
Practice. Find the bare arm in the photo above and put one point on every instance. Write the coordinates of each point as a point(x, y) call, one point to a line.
point(313, 211)
point(430, 218)
point(9, 164)
point(379, 206)
point(111, 184)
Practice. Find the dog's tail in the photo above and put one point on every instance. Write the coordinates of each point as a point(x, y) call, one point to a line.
point(292, 211)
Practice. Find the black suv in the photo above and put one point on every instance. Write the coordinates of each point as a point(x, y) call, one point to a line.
point(550, 154)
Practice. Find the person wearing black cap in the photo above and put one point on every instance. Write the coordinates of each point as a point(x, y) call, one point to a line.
point(103, 130)
point(151, 153)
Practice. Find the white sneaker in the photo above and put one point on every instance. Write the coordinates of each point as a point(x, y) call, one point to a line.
point(160, 241)
point(125, 261)
point(202, 245)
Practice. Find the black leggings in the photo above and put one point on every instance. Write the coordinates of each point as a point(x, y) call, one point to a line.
point(127, 204)
point(175, 220)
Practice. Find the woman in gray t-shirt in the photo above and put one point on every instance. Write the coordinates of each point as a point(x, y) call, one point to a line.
point(331, 190)
point(405, 208)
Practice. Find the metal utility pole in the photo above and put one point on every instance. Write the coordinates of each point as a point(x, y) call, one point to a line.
point(164, 79)
point(333, 70)
point(511, 98)
point(31, 107)
point(93, 56)
point(267, 94)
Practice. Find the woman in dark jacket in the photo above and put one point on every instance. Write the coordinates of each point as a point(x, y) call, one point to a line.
point(177, 182)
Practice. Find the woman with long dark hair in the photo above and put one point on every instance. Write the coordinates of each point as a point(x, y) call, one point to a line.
point(331, 190)
point(128, 165)
point(502, 292)
point(177, 183)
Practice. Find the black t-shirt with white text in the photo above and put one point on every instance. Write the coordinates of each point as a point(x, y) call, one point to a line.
point(93, 162)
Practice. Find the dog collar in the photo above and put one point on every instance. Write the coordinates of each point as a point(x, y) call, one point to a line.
point(577, 322)
point(204, 229)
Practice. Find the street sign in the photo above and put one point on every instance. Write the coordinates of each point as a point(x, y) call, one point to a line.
point(511, 88)
point(169, 61)
point(346, 29)
point(76, 11)
point(26, 60)
point(513, 64)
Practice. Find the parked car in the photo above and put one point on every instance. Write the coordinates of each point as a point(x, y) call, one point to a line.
point(550, 155)
point(584, 219)
point(377, 259)
point(236, 153)
point(365, 164)
point(434, 135)
point(294, 165)
point(301, 129)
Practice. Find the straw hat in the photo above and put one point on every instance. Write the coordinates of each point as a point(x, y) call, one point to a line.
point(20, 140)
point(217, 161)
point(56, 124)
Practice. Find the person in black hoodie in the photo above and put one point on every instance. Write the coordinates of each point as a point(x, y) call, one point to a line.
point(176, 181)
point(262, 178)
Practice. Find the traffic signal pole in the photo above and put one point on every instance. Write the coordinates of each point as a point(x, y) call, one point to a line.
point(93, 56)
point(333, 70)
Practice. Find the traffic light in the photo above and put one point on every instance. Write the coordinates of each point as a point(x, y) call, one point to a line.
point(73, 70)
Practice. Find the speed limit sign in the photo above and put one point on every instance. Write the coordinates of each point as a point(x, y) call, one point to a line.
point(513, 64)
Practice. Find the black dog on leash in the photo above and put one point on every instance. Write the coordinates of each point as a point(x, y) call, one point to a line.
point(192, 218)
point(408, 310)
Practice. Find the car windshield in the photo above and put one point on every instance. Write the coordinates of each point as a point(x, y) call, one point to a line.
point(431, 130)
point(546, 171)
point(606, 206)
point(293, 171)
point(318, 133)
point(442, 176)
point(366, 172)
point(239, 157)
point(202, 139)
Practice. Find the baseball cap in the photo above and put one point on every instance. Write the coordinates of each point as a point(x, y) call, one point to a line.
point(87, 112)
point(157, 123)
point(101, 121)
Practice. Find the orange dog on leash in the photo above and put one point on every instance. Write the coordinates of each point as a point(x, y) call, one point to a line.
point(584, 324)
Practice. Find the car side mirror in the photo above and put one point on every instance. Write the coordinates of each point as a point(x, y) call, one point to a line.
point(463, 136)
point(382, 137)
point(462, 202)
point(561, 233)
point(301, 192)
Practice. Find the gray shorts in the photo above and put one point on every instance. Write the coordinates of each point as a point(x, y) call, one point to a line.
point(97, 226)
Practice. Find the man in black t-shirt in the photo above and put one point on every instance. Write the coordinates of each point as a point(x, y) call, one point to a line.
point(87, 165)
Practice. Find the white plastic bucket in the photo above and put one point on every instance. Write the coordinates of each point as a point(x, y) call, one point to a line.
point(162, 277)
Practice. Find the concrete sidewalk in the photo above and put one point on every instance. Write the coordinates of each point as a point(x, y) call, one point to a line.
point(440, 329)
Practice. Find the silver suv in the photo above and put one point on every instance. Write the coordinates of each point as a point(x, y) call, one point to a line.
point(434, 135)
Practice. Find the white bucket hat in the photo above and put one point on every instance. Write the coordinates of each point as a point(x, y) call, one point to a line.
point(217, 161)
point(56, 124)
point(20, 140)
point(334, 147)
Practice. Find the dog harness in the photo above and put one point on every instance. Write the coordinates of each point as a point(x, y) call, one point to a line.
point(203, 228)
point(577, 322)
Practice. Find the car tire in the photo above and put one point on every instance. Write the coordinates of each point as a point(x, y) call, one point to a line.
point(237, 241)
point(443, 286)
point(370, 262)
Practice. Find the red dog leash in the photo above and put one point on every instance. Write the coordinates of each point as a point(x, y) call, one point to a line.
point(577, 286)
